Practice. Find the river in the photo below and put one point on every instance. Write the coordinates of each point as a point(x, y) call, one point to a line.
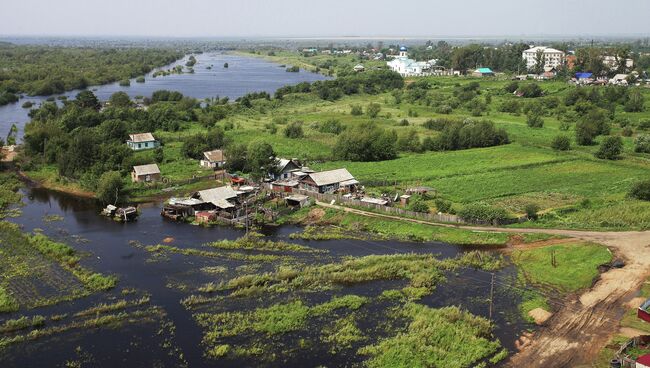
point(210, 79)
point(108, 248)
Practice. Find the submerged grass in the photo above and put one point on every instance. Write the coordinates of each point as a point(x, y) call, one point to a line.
point(445, 337)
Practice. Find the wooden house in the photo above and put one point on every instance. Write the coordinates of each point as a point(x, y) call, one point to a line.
point(213, 159)
point(142, 141)
point(329, 181)
point(284, 169)
point(145, 173)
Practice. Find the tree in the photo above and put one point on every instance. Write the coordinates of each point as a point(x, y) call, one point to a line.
point(642, 144)
point(373, 110)
point(120, 99)
point(634, 102)
point(418, 204)
point(158, 154)
point(610, 148)
point(110, 187)
point(534, 120)
point(294, 130)
point(409, 142)
point(641, 190)
point(538, 68)
point(12, 135)
point(366, 142)
point(561, 143)
point(260, 159)
point(236, 154)
point(585, 133)
point(87, 100)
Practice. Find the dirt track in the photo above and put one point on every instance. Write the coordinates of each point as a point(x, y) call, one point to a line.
point(577, 332)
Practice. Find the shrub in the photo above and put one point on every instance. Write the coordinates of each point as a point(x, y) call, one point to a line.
point(443, 206)
point(531, 211)
point(125, 83)
point(366, 142)
point(409, 142)
point(585, 133)
point(403, 122)
point(373, 110)
point(534, 121)
point(511, 106)
point(561, 143)
point(511, 87)
point(642, 144)
point(444, 109)
point(356, 110)
point(480, 212)
point(332, 126)
point(418, 204)
point(531, 90)
point(110, 187)
point(610, 148)
point(294, 130)
point(627, 132)
point(641, 190)
point(466, 134)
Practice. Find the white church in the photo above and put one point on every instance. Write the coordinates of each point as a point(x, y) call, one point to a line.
point(408, 67)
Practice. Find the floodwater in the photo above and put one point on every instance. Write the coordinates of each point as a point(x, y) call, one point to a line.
point(109, 249)
point(210, 79)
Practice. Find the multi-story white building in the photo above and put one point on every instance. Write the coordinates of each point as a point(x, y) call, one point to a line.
point(408, 67)
point(552, 57)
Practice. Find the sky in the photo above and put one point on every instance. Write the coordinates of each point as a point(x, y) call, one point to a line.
point(324, 18)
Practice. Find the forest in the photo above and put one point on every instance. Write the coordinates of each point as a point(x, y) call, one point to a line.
point(42, 71)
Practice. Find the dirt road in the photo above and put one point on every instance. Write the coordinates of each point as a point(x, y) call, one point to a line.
point(577, 332)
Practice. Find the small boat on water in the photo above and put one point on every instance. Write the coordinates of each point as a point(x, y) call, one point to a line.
point(121, 214)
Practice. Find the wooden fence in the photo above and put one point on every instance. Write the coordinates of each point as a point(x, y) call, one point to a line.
point(328, 198)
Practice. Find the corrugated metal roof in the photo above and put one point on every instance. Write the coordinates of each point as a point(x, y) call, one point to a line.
point(146, 169)
point(331, 177)
point(218, 196)
point(214, 156)
point(141, 137)
point(484, 70)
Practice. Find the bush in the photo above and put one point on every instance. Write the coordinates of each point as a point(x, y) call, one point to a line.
point(483, 213)
point(531, 90)
point(531, 211)
point(418, 204)
point(585, 133)
point(511, 87)
point(373, 110)
point(110, 187)
point(642, 144)
point(444, 109)
point(331, 126)
point(534, 121)
point(403, 122)
point(610, 148)
point(356, 110)
point(294, 130)
point(457, 135)
point(125, 83)
point(641, 190)
point(511, 106)
point(627, 132)
point(443, 206)
point(561, 143)
point(366, 142)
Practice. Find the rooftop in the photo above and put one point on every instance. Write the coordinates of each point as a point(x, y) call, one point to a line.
point(546, 50)
point(218, 196)
point(141, 137)
point(214, 156)
point(331, 177)
point(146, 169)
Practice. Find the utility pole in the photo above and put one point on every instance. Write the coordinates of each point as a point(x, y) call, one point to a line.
point(491, 296)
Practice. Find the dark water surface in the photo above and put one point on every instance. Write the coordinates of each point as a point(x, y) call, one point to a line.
point(109, 251)
point(243, 75)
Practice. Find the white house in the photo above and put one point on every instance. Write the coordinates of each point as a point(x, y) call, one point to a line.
point(213, 159)
point(612, 62)
point(407, 67)
point(142, 141)
point(552, 57)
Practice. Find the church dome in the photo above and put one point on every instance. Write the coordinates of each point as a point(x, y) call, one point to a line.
point(403, 48)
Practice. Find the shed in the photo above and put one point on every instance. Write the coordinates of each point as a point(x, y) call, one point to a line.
point(297, 200)
point(359, 68)
point(145, 173)
point(220, 197)
point(643, 311)
point(643, 361)
point(205, 217)
point(483, 72)
point(377, 201)
point(404, 199)
point(142, 141)
point(213, 159)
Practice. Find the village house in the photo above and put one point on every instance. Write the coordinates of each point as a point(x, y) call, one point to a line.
point(613, 62)
point(222, 198)
point(329, 181)
point(145, 173)
point(552, 57)
point(284, 169)
point(483, 72)
point(359, 68)
point(142, 141)
point(213, 159)
point(408, 67)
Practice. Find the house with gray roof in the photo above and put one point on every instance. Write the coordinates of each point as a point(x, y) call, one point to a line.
point(329, 181)
point(145, 173)
point(142, 141)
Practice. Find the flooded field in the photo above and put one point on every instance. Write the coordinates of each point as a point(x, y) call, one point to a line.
point(185, 297)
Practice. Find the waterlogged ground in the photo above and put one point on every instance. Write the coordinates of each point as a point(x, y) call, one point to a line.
point(186, 299)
